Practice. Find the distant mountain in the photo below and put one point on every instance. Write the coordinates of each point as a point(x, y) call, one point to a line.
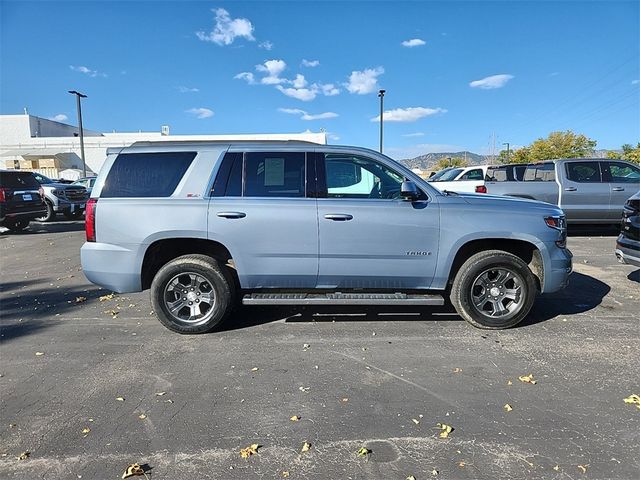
point(426, 162)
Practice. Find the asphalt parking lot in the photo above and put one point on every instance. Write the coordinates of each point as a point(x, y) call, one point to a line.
point(90, 385)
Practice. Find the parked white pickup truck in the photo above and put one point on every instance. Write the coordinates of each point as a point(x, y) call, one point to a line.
point(460, 179)
point(589, 190)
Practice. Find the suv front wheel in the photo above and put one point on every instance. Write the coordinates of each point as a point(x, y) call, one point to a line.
point(191, 294)
point(493, 290)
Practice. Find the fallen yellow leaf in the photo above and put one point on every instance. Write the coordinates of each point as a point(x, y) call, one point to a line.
point(509, 382)
point(159, 394)
point(168, 401)
point(295, 418)
point(120, 399)
point(363, 452)
point(457, 370)
point(86, 430)
point(142, 416)
point(254, 369)
point(80, 299)
point(306, 446)
point(411, 477)
point(557, 468)
point(446, 429)
point(24, 455)
point(106, 297)
point(508, 407)
point(415, 421)
point(633, 399)
point(250, 450)
point(39, 354)
point(583, 468)
point(527, 379)
point(133, 470)
point(461, 464)
point(434, 472)
point(285, 474)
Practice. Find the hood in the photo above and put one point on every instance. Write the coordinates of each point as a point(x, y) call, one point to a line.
point(61, 186)
point(503, 201)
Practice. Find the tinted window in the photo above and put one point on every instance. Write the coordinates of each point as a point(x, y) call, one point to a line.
point(519, 172)
point(496, 174)
point(622, 172)
point(475, 174)
point(146, 174)
point(274, 174)
point(228, 181)
point(18, 180)
point(358, 177)
point(447, 176)
point(584, 172)
point(543, 172)
point(42, 179)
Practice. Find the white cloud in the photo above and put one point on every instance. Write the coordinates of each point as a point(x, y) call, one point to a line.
point(417, 134)
point(299, 81)
point(494, 81)
point(414, 42)
point(200, 112)
point(306, 116)
point(635, 82)
point(304, 94)
point(310, 63)
point(410, 114)
point(248, 76)
point(363, 82)
point(87, 71)
point(267, 45)
point(183, 89)
point(61, 117)
point(328, 89)
point(272, 69)
point(227, 29)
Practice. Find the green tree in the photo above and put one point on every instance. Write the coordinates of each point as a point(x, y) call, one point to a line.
point(520, 155)
point(614, 155)
point(450, 162)
point(631, 153)
point(561, 145)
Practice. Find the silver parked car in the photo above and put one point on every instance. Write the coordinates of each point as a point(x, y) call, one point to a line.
point(282, 223)
point(589, 190)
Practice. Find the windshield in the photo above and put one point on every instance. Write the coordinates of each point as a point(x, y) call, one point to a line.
point(447, 176)
point(439, 173)
point(42, 179)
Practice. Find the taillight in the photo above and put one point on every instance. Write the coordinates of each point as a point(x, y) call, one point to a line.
point(481, 189)
point(90, 219)
point(2, 196)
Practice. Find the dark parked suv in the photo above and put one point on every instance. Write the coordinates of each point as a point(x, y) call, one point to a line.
point(21, 199)
point(628, 243)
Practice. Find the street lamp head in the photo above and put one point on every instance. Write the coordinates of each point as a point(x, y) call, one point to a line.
point(81, 95)
point(381, 93)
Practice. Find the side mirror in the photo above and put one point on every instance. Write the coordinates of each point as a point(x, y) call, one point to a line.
point(409, 190)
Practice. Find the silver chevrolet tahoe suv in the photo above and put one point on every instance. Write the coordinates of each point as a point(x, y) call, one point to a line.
point(208, 225)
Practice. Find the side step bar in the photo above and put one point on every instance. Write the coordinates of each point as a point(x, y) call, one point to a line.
point(339, 298)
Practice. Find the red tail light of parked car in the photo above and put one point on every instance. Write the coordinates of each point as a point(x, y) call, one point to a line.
point(90, 219)
point(481, 189)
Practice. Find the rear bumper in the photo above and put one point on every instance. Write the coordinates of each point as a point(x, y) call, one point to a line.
point(22, 215)
point(628, 251)
point(114, 267)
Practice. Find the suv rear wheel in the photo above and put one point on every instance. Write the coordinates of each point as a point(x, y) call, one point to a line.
point(50, 215)
point(493, 290)
point(191, 294)
point(17, 225)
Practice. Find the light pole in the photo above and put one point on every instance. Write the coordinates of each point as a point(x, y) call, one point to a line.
point(507, 144)
point(78, 97)
point(381, 95)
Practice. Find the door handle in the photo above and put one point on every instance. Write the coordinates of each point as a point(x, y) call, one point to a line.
point(618, 189)
point(570, 189)
point(338, 217)
point(231, 214)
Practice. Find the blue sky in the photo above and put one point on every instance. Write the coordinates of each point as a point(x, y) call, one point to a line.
point(455, 72)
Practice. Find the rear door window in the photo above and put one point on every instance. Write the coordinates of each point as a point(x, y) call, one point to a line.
point(475, 174)
point(584, 172)
point(274, 174)
point(146, 174)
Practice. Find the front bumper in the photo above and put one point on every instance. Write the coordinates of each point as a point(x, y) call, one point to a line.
point(69, 206)
point(557, 272)
point(628, 251)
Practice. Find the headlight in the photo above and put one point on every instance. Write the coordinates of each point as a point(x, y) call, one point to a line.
point(559, 223)
point(58, 193)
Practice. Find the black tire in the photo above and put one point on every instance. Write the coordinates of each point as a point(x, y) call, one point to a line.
point(486, 297)
point(73, 215)
point(212, 297)
point(50, 215)
point(17, 225)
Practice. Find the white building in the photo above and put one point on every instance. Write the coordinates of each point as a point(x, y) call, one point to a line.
point(37, 144)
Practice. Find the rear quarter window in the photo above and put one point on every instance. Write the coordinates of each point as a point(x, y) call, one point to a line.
point(146, 174)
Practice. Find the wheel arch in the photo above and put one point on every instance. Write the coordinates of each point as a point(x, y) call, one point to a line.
point(525, 250)
point(162, 251)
